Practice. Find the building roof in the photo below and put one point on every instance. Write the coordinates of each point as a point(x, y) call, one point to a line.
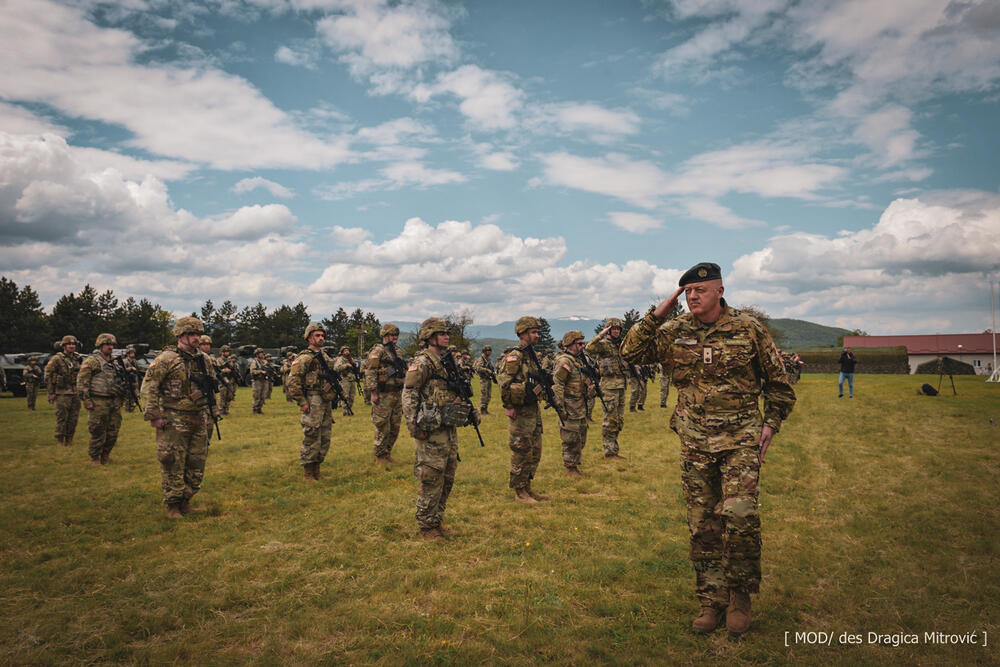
point(930, 343)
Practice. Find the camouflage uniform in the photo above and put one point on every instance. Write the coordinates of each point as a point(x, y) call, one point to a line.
point(718, 370)
point(60, 378)
point(487, 376)
point(286, 367)
point(170, 392)
point(433, 413)
point(638, 384)
point(307, 386)
point(548, 362)
point(227, 381)
point(32, 378)
point(268, 381)
point(664, 385)
point(101, 388)
point(258, 377)
point(384, 376)
point(464, 363)
point(344, 365)
point(363, 368)
point(132, 369)
point(570, 390)
point(613, 373)
point(525, 427)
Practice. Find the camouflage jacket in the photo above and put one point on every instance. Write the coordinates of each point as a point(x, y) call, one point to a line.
point(258, 370)
point(345, 367)
point(425, 385)
point(171, 383)
point(305, 377)
point(610, 364)
point(569, 386)
point(222, 364)
point(32, 375)
point(386, 370)
point(97, 377)
point(512, 376)
point(61, 372)
point(484, 368)
point(466, 368)
point(718, 370)
point(286, 366)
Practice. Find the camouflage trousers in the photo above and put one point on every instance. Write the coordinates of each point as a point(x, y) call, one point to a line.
point(664, 389)
point(259, 394)
point(386, 416)
point(284, 389)
point(574, 436)
point(227, 393)
point(347, 386)
point(181, 448)
point(103, 422)
point(591, 400)
point(434, 466)
point(721, 493)
point(32, 393)
point(316, 427)
point(638, 393)
point(485, 392)
point(614, 419)
point(525, 441)
point(67, 414)
point(268, 386)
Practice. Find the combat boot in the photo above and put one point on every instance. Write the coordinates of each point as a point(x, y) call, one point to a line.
point(432, 535)
point(383, 460)
point(574, 472)
point(640, 408)
point(534, 494)
point(185, 507)
point(174, 511)
point(522, 496)
point(307, 472)
point(316, 474)
point(708, 620)
point(60, 442)
point(738, 613)
point(95, 460)
point(614, 457)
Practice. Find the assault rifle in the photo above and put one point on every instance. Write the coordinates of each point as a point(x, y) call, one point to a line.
point(127, 378)
point(356, 372)
point(488, 365)
point(543, 378)
point(208, 386)
point(398, 368)
point(334, 378)
point(459, 385)
point(591, 373)
point(271, 374)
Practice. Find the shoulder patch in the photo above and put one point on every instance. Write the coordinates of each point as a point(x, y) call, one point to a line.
point(512, 358)
point(412, 367)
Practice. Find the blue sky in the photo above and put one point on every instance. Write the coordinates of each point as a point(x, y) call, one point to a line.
point(837, 159)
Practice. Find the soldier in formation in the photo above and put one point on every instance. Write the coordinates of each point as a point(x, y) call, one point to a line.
point(103, 392)
point(175, 400)
point(433, 414)
point(384, 377)
point(310, 388)
point(259, 369)
point(60, 378)
point(32, 378)
point(721, 362)
point(639, 384)
point(519, 393)
point(613, 370)
point(571, 392)
point(229, 374)
point(286, 367)
point(483, 367)
point(344, 364)
point(132, 372)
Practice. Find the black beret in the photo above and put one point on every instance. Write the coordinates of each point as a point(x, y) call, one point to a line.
point(700, 273)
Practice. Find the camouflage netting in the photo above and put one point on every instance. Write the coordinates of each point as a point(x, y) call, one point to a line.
point(879, 360)
point(948, 366)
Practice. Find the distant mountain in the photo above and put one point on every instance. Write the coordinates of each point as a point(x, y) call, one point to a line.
point(800, 333)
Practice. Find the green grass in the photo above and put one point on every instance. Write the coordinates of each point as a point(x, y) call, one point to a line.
point(880, 514)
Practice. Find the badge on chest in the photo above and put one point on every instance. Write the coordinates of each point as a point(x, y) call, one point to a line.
point(706, 355)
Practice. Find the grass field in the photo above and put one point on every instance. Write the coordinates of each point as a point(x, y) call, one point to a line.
point(881, 515)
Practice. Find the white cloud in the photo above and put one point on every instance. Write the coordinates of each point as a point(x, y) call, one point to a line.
point(600, 124)
point(250, 184)
point(717, 214)
point(349, 235)
point(499, 161)
point(488, 99)
point(637, 223)
point(252, 222)
point(417, 174)
point(638, 182)
point(199, 114)
point(303, 54)
point(18, 120)
point(888, 134)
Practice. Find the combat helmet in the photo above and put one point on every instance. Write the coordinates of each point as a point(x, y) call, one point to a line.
point(614, 322)
point(105, 339)
point(257, 351)
point(487, 348)
point(225, 348)
point(431, 326)
point(525, 323)
point(388, 329)
point(67, 339)
point(571, 337)
point(345, 349)
point(313, 327)
point(205, 339)
point(188, 325)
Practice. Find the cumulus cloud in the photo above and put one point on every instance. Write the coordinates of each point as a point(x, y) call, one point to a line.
point(250, 184)
point(197, 114)
point(638, 182)
point(637, 223)
point(499, 161)
point(717, 214)
point(596, 122)
point(925, 257)
point(495, 274)
point(253, 222)
point(488, 99)
point(418, 174)
point(349, 235)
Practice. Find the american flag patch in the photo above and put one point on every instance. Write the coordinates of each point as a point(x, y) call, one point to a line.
point(512, 358)
point(412, 367)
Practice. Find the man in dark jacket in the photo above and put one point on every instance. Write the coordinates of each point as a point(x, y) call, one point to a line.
point(847, 363)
